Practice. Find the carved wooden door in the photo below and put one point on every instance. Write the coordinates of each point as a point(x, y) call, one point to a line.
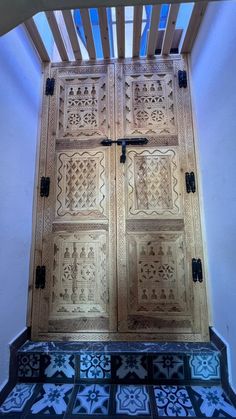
point(158, 221)
point(76, 239)
point(117, 240)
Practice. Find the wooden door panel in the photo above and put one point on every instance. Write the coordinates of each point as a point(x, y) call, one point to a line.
point(79, 234)
point(156, 231)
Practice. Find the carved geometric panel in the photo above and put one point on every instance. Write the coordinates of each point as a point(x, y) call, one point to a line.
point(81, 184)
point(79, 277)
point(157, 276)
point(83, 107)
point(153, 183)
point(150, 104)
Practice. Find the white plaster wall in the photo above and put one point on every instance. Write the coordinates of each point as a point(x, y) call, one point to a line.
point(213, 67)
point(20, 84)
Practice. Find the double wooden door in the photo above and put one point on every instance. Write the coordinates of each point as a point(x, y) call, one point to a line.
point(117, 239)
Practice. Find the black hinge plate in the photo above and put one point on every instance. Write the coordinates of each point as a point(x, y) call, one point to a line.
point(197, 270)
point(40, 277)
point(182, 77)
point(190, 182)
point(45, 186)
point(49, 88)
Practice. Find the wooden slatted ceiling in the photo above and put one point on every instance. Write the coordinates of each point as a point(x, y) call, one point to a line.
point(57, 35)
point(37, 40)
point(154, 39)
point(153, 31)
point(88, 33)
point(170, 28)
point(120, 31)
point(71, 29)
point(137, 27)
point(193, 26)
point(102, 13)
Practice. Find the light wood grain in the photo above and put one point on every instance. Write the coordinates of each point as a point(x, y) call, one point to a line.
point(153, 31)
point(72, 32)
point(193, 26)
point(102, 13)
point(170, 28)
point(137, 28)
point(120, 31)
point(57, 35)
point(88, 33)
point(36, 38)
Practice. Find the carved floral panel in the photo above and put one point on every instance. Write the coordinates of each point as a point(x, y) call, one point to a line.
point(81, 184)
point(157, 276)
point(83, 107)
point(150, 105)
point(153, 183)
point(79, 277)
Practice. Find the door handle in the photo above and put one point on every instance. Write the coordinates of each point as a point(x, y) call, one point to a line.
point(124, 142)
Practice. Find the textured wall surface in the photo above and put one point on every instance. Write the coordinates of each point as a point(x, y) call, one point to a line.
point(213, 66)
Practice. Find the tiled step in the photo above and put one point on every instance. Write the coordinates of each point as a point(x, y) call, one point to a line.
point(119, 362)
point(91, 400)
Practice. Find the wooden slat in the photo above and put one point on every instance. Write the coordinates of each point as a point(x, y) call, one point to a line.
point(120, 31)
point(57, 35)
point(88, 33)
point(35, 36)
point(153, 31)
point(102, 13)
point(71, 29)
point(170, 28)
point(193, 26)
point(138, 13)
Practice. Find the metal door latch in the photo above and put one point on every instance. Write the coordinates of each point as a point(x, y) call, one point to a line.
point(124, 142)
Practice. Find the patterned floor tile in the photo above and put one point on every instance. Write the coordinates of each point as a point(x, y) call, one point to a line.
point(131, 367)
point(168, 366)
point(60, 366)
point(28, 365)
point(18, 397)
point(52, 399)
point(173, 401)
point(92, 400)
point(205, 366)
point(132, 400)
point(95, 366)
point(213, 402)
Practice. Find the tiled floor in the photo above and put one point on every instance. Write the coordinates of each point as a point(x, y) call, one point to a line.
point(28, 400)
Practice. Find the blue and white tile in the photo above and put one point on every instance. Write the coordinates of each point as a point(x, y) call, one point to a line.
point(92, 400)
point(95, 366)
point(173, 401)
point(132, 400)
point(213, 402)
point(59, 366)
point(52, 399)
point(205, 366)
point(28, 365)
point(131, 366)
point(18, 398)
point(168, 367)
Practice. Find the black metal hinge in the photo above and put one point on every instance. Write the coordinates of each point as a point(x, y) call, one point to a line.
point(190, 182)
point(50, 84)
point(44, 186)
point(40, 277)
point(182, 77)
point(197, 270)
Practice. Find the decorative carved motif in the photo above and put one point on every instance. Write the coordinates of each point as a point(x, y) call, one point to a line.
point(153, 187)
point(81, 184)
point(83, 107)
point(157, 279)
point(79, 279)
point(149, 104)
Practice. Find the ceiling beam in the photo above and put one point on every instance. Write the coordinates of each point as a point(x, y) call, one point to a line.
point(52, 21)
point(102, 13)
point(153, 31)
point(35, 36)
point(170, 28)
point(137, 27)
point(14, 12)
point(88, 33)
point(193, 26)
point(71, 29)
point(120, 31)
